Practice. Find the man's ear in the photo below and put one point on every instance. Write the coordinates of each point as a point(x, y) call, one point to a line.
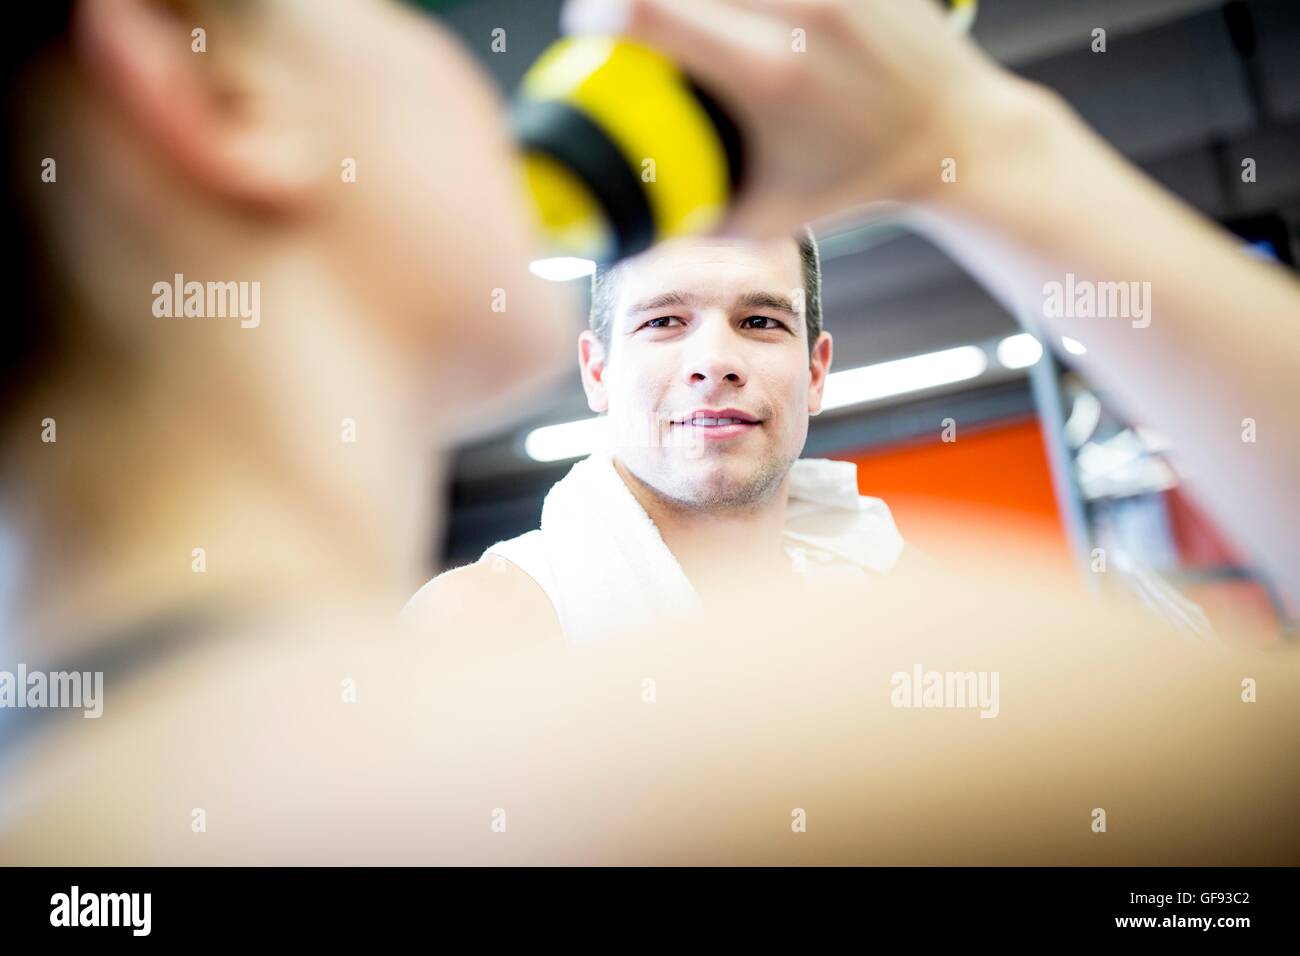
point(820, 366)
point(216, 106)
point(591, 360)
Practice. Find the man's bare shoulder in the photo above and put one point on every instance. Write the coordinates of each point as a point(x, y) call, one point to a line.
point(492, 594)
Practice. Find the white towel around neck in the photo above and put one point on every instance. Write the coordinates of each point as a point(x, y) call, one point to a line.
point(601, 560)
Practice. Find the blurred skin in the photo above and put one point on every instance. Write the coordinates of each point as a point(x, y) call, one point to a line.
point(760, 707)
point(375, 298)
point(174, 434)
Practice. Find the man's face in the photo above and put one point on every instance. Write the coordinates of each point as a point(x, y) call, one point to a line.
point(705, 330)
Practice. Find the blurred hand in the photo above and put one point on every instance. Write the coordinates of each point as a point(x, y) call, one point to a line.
point(863, 106)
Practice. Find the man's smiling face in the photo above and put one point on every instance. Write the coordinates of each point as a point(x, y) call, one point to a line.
point(708, 378)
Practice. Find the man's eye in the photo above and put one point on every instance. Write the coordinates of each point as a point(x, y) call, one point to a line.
point(762, 318)
point(655, 323)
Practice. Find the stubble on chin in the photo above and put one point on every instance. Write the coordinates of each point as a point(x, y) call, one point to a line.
point(703, 485)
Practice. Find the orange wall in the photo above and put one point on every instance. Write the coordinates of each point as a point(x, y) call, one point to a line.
point(994, 479)
point(995, 482)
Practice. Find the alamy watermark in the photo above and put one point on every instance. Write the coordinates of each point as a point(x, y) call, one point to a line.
point(653, 431)
point(1084, 299)
point(75, 908)
point(72, 690)
point(179, 299)
point(946, 689)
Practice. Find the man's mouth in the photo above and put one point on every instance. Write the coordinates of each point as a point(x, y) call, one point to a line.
point(714, 422)
point(720, 423)
point(712, 417)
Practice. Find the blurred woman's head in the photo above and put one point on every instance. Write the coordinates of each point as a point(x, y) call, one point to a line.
point(344, 158)
point(275, 254)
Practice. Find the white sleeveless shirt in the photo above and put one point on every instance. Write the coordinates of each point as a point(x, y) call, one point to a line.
point(601, 561)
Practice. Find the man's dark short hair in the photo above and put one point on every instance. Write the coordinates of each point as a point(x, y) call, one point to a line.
point(604, 288)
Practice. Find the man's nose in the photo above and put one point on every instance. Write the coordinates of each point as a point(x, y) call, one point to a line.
point(715, 357)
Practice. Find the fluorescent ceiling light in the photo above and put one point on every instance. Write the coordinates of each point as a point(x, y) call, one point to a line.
point(1019, 351)
point(873, 382)
point(562, 268)
point(566, 440)
point(1073, 346)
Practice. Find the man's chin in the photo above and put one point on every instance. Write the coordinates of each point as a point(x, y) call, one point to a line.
point(718, 480)
point(721, 479)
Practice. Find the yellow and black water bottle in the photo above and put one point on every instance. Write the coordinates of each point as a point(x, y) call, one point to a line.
point(621, 149)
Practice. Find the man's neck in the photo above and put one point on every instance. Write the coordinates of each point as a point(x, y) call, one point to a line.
point(713, 546)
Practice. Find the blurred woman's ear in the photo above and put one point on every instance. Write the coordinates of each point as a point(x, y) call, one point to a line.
point(192, 81)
